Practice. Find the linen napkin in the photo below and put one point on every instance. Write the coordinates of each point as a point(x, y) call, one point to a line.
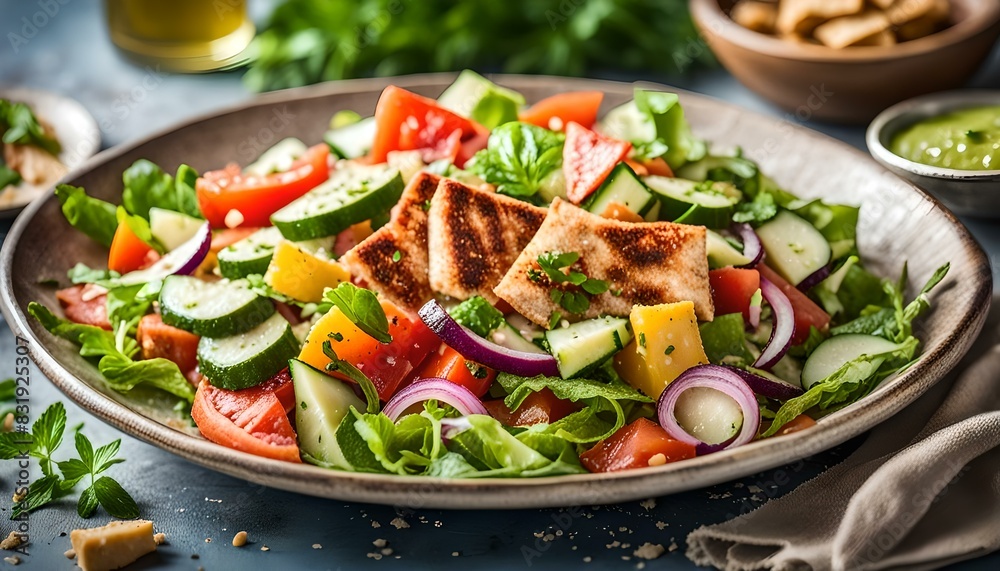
point(923, 490)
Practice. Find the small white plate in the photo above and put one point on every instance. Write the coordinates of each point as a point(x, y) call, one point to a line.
point(75, 129)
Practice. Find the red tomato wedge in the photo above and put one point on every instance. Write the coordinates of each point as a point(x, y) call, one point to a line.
point(128, 251)
point(636, 445)
point(538, 407)
point(807, 313)
point(588, 159)
point(386, 364)
point(406, 121)
point(447, 363)
point(557, 111)
point(258, 197)
point(81, 305)
point(157, 339)
point(253, 420)
point(732, 289)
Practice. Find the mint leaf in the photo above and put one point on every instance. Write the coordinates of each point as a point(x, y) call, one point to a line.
point(73, 470)
point(87, 504)
point(104, 457)
point(114, 499)
point(47, 432)
point(361, 306)
point(40, 492)
point(518, 157)
point(86, 451)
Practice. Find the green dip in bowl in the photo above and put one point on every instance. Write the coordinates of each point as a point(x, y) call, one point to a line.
point(964, 139)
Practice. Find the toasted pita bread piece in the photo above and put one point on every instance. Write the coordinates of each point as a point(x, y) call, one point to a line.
point(849, 30)
point(393, 261)
point(643, 263)
point(802, 16)
point(474, 236)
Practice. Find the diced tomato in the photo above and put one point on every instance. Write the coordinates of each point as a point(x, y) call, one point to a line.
point(658, 167)
point(807, 313)
point(128, 251)
point(588, 159)
point(406, 121)
point(157, 339)
point(253, 420)
point(258, 197)
point(386, 364)
point(732, 289)
point(636, 445)
point(557, 111)
point(81, 305)
point(447, 363)
point(538, 407)
point(225, 237)
point(800, 422)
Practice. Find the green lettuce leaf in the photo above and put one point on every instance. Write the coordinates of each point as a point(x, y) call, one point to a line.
point(94, 217)
point(518, 157)
point(497, 453)
point(146, 186)
point(672, 129)
point(724, 340)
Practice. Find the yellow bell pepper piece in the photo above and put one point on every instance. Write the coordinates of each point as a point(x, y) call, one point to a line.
point(301, 275)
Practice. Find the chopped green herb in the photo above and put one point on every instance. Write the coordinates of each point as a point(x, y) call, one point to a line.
point(554, 319)
point(397, 256)
point(642, 339)
point(668, 350)
point(338, 365)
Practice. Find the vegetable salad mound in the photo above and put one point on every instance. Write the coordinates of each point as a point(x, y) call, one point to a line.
point(472, 287)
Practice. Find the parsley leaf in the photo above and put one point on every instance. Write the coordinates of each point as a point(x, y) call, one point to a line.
point(361, 306)
point(478, 315)
point(759, 210)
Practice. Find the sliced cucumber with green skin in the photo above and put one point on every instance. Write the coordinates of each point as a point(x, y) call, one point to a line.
point(507, 336)
point(702, 170)
point(278, 158)
point(248, 359)
point(624, 187)
point(351, 195)
point(794, 247)
point(721, 253)
point(212, 309)
point(250, 255)
point(583, 346)
point(839, 350)
point(171, 229)
point(352, 141)
point(705, 204)
point(481, 100)
point(321, 403)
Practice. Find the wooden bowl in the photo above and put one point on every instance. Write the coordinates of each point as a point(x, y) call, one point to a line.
point(854, 84)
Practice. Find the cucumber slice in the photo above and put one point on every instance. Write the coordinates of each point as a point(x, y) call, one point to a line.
point(212, 309)
point(838, 350)
point(352, 141)
point(709, 415)
point(507, 336)
point(171, 229)
point(583, 346)
point(248, 359)
point(481, 100)
point(708, 168)
point(250, 255)
point(321, 402)
point(627, 123)
point(351, 195)
point(714, 202)
point(624, 187)
point(794, 247)
point(278, 158)
point(721, 253)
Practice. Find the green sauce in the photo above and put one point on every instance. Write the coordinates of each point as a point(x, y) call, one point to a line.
point(967, 139)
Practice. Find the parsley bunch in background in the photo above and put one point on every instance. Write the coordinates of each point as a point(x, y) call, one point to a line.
point(307, 41)
point(60, 478)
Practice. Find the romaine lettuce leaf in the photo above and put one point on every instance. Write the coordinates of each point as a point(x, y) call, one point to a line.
point(665, 112)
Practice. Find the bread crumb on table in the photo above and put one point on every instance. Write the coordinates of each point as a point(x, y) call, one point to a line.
point(240, 539)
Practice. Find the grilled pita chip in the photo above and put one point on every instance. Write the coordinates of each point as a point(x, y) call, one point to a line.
point(849, 30)
point(474, 236)
point(643, 263)
point(802, 16)
point(393, 260)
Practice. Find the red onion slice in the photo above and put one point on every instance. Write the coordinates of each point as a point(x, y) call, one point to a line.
point(752, 246)
point(772, 388)
point(814, 278)
point(486, 353)
point(782, 329)
point(441, 390)
point(722, 379)
point(182, 260)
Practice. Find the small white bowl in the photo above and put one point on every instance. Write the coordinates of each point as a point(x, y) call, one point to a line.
point(965, 192)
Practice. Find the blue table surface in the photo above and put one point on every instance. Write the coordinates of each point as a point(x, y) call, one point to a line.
point(201, 510)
